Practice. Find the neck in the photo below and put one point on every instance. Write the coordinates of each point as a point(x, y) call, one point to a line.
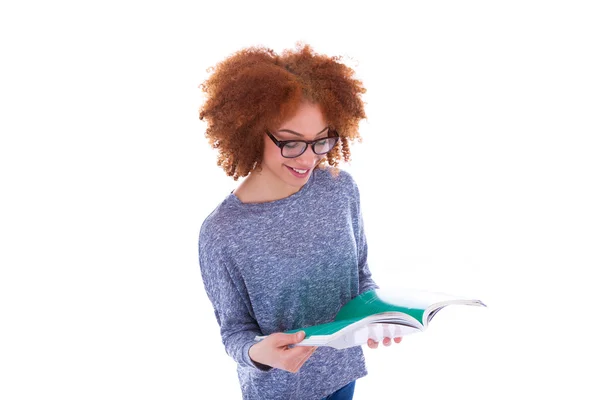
point(261, 187)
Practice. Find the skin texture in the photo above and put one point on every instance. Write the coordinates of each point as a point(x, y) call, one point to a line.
point(386, 342)
point(274, 351)
point(275, 181)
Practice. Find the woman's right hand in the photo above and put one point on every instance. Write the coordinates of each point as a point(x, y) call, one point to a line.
point(275, 352)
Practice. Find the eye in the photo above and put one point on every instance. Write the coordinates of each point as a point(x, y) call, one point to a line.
point(292, 145)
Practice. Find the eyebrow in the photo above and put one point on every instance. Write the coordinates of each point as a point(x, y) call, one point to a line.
point(299, 134)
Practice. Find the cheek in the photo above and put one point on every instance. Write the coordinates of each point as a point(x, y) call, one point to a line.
point(272, 154)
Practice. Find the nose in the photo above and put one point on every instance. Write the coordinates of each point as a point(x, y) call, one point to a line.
point(308, 158)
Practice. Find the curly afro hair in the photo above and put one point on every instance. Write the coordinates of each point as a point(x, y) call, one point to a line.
point(256, 89)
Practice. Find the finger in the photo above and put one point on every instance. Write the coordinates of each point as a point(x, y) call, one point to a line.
point(398, 339)
point(299, 361)
point(372, 344)
point(306, 357)
point(298, 352)
point(387, 341)
point(298, 337)
point(296, 363)
point(285, 339)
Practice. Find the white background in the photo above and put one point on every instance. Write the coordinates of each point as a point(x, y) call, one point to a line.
point(479, 174)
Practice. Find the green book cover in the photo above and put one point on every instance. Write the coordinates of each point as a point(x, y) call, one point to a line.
point(377, 314)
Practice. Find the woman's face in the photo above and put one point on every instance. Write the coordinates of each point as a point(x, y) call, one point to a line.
point(307, 124)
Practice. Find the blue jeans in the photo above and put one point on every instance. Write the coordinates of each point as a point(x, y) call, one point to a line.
point(345, 393)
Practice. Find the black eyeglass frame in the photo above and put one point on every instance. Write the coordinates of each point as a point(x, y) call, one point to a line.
point(281, 143)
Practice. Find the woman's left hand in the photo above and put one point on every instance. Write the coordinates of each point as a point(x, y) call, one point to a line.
point(386, 342)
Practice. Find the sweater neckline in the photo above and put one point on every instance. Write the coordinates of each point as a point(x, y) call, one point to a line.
point(279, 202)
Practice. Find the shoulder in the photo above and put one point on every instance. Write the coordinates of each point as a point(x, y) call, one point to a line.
point(217, 225)
point(335, 175)
point(336, 179)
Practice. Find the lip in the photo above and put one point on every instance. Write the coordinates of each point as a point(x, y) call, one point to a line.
point(297, 175)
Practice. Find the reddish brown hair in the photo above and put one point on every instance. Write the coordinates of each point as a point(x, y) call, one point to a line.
point(256, 89)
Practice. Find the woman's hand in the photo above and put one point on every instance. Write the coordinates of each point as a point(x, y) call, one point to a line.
point(275, 352)
point(386, 342)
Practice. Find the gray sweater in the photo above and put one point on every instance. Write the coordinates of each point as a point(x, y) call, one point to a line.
point(286, 264)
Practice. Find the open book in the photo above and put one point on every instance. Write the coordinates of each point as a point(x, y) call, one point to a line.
point(377, 314)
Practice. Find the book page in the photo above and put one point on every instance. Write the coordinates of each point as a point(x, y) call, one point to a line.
point(413, 298)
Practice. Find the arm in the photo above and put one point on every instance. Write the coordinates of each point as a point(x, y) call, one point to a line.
point(238, 327)
point(365, 281)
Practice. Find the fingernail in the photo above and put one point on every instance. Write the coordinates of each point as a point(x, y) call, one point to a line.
point(299, 335)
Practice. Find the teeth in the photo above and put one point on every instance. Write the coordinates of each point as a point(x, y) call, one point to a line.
point(300, 171)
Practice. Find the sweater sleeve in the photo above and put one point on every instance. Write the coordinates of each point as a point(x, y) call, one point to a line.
point(365, 280)
point(238, 327)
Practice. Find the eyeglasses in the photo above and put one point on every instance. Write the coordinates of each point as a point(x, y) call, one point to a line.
point(295, 148)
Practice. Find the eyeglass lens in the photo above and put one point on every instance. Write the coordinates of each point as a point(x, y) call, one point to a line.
point(294, 149)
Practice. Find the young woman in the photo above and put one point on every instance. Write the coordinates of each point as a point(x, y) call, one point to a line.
point(286, 248)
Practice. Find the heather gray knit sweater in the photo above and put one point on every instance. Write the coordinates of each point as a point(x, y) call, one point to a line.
point(286, 264)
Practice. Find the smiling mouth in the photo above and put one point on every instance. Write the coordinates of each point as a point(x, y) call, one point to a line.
point(298, 171)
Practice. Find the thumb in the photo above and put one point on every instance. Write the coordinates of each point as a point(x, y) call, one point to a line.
point(283, 339)
point(298, 336)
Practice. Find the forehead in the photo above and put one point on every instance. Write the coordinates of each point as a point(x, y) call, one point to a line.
point(307, 120)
